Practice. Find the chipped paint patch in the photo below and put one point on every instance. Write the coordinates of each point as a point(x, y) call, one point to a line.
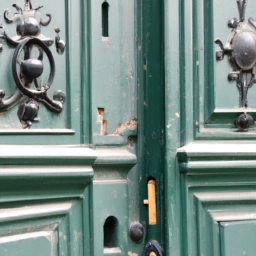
point(123, 128)
point(132, 254)
point(177, 114)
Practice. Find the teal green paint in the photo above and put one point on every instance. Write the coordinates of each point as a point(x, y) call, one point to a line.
point(110, 200)
point(86, 222)
point(216, 189)
point(185, 112)
point(209, 57)
point(150, 43)
point(113, 72)
point(196, 61)
point(115, 191)
point(238, 238)
point(93, 74)
point(51, 129)
point(85, 92)
point(172, 126)
point(40, 246)
point(141, 124)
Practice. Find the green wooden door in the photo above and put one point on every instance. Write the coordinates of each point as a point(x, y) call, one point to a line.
point(210, 163)
point(70, 184)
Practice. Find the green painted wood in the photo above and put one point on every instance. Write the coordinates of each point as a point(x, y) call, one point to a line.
point(67, 127)
point(208, 101)
point(113, 72)
point(37, 243)
point(213, 192)
point(151, 130)
point(38, 155)
point(110, 199)
point(217, 150)
point(114, 156)
point(47, 195)
point(210, 166)
point(174, 68)
point(238, 238)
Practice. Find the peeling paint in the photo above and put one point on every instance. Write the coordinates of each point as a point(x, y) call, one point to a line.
point(131, 254)
point(123, 128)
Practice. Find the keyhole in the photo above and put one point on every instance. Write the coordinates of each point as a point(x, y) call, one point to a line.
point(105, 10)
point(111, 232)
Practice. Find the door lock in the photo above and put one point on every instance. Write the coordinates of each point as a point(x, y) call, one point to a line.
point(151, 202)
point(153, 249)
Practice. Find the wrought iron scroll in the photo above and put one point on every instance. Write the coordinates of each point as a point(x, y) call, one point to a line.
point(29, 36)
point(241, 51)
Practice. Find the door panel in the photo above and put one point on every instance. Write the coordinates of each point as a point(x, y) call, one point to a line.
point(238, 238)
point(209, 102)
point(112, 63)
point(51, 128)
point(55, 208)
point(219, 199)
point(42, 210)
point(44, 228)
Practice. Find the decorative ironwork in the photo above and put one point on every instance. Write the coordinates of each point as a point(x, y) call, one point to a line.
point(29, 36)
point(241, 51)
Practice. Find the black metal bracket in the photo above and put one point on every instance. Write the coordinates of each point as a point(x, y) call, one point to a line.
point(30, 69)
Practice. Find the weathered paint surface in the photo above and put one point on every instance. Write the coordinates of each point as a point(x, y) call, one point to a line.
point(56, 198)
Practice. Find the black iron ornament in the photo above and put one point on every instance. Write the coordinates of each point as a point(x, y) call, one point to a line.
point(29, 36)
point(241, 51)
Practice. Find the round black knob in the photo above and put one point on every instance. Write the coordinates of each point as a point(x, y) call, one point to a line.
point(136, 232)
point(32, 68)
point(244, 121)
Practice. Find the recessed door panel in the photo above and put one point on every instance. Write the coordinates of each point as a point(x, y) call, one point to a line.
point(238, 238)
point(38, 243)
point(67, 125)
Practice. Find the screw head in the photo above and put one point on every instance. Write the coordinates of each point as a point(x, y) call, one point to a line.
point(233, 23)
point(232, 77)
point(219, 55)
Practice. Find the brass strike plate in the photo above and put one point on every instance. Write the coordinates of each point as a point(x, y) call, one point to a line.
point(151, 202)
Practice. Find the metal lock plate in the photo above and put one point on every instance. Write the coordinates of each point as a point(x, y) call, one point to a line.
point(153, 249)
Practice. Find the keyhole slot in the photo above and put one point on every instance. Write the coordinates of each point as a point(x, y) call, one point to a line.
point(111, 232)
point(105, 21)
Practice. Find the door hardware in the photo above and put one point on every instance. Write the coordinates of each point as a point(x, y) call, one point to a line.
point(241, 51)
point(153, 249)
point(151, 202)
point(29, 36)
point(244, 121)
point(136, 232)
